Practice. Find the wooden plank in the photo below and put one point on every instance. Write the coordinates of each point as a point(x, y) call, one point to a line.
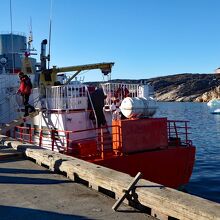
point(162, 199)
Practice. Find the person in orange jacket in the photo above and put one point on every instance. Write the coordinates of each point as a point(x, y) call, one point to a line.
point(25, 91)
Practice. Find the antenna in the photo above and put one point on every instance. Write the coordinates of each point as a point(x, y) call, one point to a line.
point(30, 49)
point(30, 38)
point(50, 26)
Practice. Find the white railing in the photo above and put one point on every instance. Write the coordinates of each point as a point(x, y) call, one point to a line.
point(122, 90)
point(67, 97)
point(64, 97)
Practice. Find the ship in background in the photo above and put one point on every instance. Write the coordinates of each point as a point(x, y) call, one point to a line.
point(70, 117)
point(15, 56)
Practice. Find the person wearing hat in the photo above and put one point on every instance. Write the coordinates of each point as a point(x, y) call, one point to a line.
point(25, 91)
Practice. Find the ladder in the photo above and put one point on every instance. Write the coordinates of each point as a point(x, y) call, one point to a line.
point(6, 127)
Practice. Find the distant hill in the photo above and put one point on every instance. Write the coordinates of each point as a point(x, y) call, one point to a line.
point(183, 87)
point(186, 87)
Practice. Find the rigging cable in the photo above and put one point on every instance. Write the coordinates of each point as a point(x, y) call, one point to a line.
point(12, 43)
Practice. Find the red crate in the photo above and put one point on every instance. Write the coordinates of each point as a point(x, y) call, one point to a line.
point(84, 148)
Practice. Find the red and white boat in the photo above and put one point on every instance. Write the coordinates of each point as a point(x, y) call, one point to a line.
point(70, 120)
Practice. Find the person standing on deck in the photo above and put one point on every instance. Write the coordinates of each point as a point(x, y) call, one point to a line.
point(98, 101)
point(25, 91)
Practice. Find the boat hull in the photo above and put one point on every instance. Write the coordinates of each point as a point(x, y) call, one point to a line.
point(170, 167)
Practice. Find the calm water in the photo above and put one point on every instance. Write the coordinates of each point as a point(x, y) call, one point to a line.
point(205, 134)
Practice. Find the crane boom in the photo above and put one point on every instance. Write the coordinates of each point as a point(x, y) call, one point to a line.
point(49, 76)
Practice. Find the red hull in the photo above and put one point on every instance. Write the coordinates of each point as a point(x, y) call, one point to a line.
point(170, 167)
point(149, 146)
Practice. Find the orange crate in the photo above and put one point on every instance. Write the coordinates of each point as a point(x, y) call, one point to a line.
point(84, 148)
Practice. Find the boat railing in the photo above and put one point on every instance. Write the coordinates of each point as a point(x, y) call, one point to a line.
point(63, 97)
point(76, 143)
point(119, 91)
point(178, 133)
point(66, 97)
point(96, 142)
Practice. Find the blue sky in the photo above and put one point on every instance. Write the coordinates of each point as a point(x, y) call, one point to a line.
point(145, 38)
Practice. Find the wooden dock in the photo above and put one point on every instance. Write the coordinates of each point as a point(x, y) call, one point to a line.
point(161, 202)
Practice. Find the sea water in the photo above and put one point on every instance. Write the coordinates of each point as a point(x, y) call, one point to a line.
point(205, 134)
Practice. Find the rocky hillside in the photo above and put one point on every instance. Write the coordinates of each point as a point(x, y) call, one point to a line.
point(186, 87)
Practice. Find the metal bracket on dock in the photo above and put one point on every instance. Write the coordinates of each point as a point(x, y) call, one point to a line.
point(127, 195)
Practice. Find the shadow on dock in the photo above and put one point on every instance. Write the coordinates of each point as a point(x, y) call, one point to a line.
point(9, 212)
